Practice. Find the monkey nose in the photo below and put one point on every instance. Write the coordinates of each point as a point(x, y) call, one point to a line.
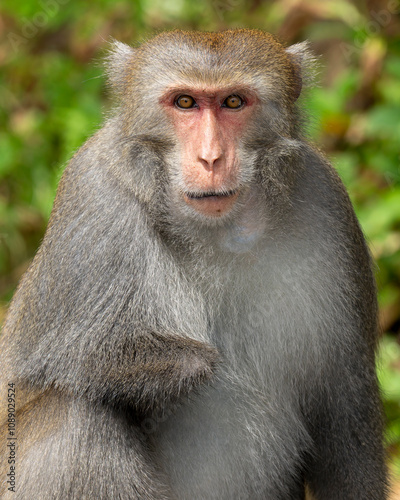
point(210, 162)
point(211, 155)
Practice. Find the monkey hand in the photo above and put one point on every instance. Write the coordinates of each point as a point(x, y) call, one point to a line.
point(159, 371)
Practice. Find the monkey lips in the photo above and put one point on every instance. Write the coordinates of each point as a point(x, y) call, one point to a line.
point(212, 203)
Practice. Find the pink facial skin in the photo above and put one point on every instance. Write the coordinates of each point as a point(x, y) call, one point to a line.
point(209, 132)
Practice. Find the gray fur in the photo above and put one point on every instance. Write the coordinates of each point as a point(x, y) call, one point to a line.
point(161, 356)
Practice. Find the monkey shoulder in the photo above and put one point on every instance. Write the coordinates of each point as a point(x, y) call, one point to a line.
point(321, 196)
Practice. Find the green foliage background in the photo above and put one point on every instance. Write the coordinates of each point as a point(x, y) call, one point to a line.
point(53, 96)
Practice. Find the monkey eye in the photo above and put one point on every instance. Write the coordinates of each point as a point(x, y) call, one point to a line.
point(185, 102)
point(233, 102)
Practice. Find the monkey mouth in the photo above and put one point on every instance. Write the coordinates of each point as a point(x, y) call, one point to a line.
point(211, 194)
point(212, 203)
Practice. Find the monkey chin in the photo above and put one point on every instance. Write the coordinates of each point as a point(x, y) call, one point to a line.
point(210, 204)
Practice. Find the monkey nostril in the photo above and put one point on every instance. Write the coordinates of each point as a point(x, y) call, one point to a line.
point(210, 162)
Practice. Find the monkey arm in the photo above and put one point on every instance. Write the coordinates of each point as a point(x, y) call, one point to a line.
point(152, 371)
point(146, 371)
point(345, 423)
point(342, 407)
point(128, 364)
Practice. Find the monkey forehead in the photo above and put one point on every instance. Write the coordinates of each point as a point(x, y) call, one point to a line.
point(251, 48)
point(236, 57)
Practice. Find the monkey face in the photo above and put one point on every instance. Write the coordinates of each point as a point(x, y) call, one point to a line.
point(212, 113)
point(209, 123)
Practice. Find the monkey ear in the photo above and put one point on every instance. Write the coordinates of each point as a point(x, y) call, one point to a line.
point(118, 62)
point(304, 66)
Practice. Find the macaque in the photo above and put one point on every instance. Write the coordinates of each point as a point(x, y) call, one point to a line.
point(200, 321)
